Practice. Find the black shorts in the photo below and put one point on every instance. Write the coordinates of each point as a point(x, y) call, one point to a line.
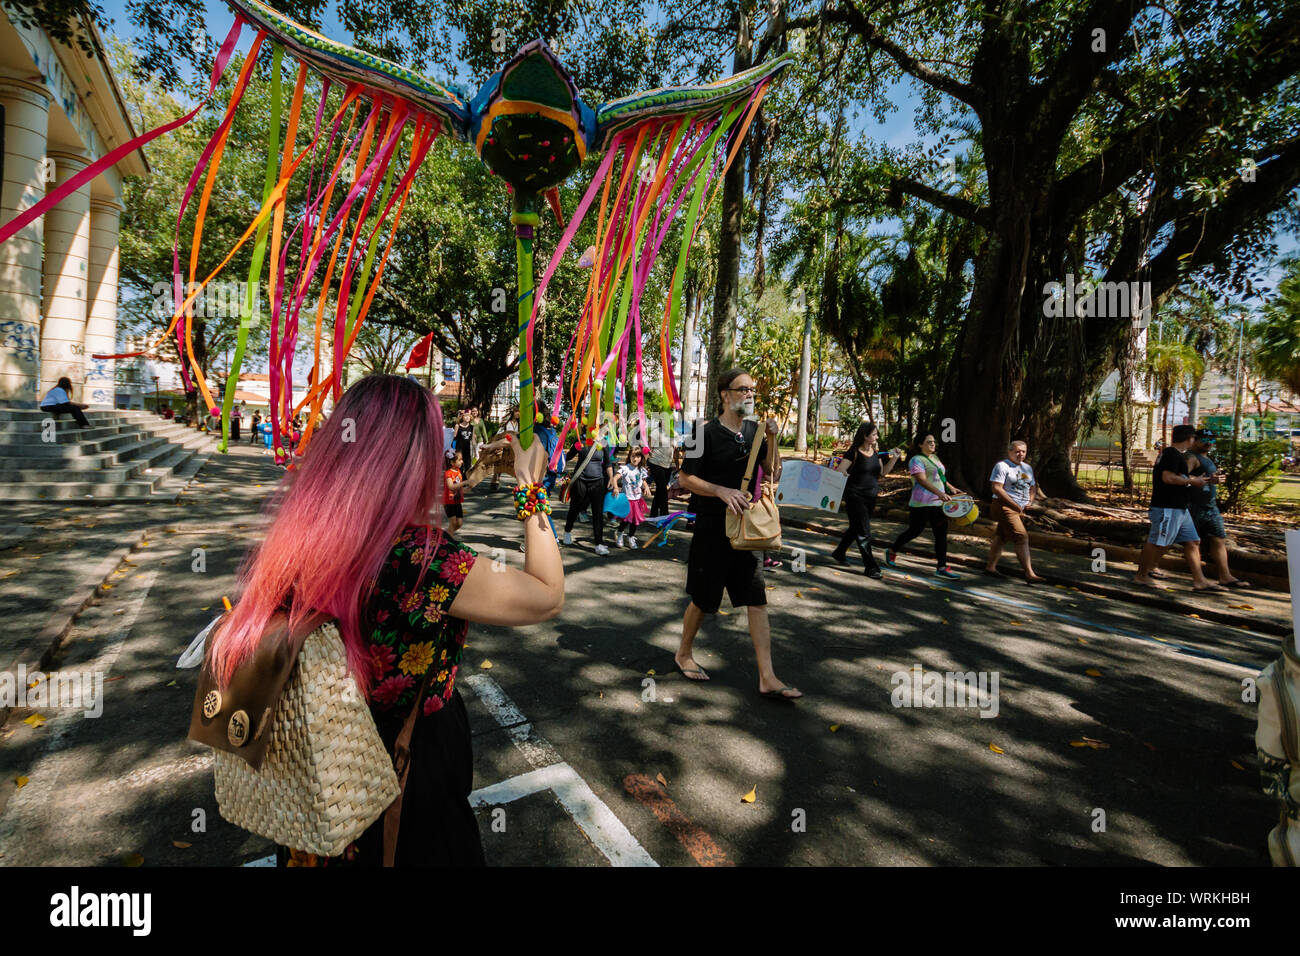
point(714, 565)
point(454, 510)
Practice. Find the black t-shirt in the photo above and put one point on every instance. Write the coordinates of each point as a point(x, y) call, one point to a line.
point(595, 470)
point(721, 461)
point(1170, 496)
point(864, 473)
point(464, 435)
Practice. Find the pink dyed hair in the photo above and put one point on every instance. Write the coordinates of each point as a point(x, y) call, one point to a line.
point(374, 468)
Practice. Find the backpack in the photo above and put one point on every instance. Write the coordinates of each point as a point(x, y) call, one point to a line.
point(1277, 743)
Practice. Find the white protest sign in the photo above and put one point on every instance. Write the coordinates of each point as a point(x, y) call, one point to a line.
point(1293, 565)
point(803, 483)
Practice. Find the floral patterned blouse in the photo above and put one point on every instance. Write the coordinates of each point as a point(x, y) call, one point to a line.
point(412, 631)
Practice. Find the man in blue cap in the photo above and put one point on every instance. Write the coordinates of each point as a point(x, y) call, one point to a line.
point(1204, 506)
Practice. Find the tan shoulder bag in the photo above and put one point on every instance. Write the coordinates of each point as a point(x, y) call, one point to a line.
point(758, 527)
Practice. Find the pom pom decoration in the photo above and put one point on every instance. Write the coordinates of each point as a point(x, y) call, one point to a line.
point(531, 500)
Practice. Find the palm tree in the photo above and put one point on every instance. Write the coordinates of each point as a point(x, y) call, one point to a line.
point(1277, 332)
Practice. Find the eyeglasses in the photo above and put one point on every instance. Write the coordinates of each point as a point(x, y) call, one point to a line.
point(748, 390)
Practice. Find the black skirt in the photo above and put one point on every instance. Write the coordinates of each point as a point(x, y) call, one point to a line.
point(438, 827)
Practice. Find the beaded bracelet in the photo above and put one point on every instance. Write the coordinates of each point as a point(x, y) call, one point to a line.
point(531, 500)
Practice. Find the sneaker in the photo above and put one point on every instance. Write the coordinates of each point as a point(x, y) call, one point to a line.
point(838, 558)
point(631, 543)
point(889, 558)
point(618, 541)
point(771, 563)
point(602, 550)
point(874, 573)
point(568, 537)
point(947, 572)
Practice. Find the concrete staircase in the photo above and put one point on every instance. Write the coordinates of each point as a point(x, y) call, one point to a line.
point(123, 454)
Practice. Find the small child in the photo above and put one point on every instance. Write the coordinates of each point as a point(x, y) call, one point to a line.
point(631, 481)
point(453, 496)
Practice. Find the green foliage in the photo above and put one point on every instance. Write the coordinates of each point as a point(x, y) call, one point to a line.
point(1276, 335)
point(1242, 464)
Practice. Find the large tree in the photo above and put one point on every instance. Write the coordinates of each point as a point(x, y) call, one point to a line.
point(1120, 143)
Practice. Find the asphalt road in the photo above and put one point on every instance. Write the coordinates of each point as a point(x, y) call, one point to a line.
point(1120, 735)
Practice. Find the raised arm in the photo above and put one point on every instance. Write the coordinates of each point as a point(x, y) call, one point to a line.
point(496, 594)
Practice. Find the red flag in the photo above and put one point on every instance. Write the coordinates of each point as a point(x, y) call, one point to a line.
point(420, 354)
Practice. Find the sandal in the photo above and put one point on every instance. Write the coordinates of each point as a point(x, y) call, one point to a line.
point(688, 671)
point(780, 693)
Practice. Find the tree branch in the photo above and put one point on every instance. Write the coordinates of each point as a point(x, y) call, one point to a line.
point(1197, 239)
point(871, 35)
point(959, 207)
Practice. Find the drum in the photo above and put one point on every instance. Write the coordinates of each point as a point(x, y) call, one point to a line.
point(961, 511)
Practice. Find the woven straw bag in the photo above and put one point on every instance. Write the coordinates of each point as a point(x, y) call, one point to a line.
point(326, 775)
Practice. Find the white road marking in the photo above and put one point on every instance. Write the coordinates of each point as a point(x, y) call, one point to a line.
point(43, 794)
point(606, 832)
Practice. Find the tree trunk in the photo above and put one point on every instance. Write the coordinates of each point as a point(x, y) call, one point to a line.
point(722, 339)
point(982, 383)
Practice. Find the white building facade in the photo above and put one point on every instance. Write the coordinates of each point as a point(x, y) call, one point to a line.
point(62, 110)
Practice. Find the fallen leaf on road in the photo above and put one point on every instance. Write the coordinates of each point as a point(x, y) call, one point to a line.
point(205, 608)
point(107, 587)
point(8, 574)
point(1082, 641)
point(133, 859)
point(724, 613)
point(181, 844)
point(798, 594)
point(660, 778)
point(834, 727)
point(1237, 765)
point(171, 683)
point(651, 672)
point(996, 749)
point(1241, 607)
point(109, 680)
point(771, 587)
point(35, 720)
point(486, 665)
point(836, 573)
point(944, 619)
point(1093, 672)
point(1090, 742)
point(814, 589)
point(1197, 616)
point(1017, 623)
point(21, 781)
point(751, 796)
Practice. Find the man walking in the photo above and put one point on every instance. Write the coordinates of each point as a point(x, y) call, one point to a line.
point(1014, 490)
point(713, 473)
point(1205, 507)
point(1171, 522)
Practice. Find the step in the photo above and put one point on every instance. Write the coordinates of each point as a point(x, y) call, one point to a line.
point(76, 490)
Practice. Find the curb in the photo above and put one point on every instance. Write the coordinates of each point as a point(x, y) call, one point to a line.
point(60, 622)
point(1106, 590)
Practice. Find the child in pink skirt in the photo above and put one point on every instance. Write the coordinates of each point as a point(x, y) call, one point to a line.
point(631, 481)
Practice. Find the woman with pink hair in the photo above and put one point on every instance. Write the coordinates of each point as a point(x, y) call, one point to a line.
point(402, 591)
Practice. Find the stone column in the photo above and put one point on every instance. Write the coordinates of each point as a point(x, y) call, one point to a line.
point(26, 115)
point(101, 312)
point(67, 267)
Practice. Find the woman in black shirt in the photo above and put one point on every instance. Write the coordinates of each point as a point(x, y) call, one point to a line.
point(865, 466)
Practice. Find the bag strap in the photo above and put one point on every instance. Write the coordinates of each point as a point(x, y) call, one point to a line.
point(753, 455)
point(402, 764)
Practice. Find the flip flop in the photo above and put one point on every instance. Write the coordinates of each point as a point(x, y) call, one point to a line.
point(993, 574)
point(779, 693)
point(687, 672)
point(1237, 584)
point(1219, 588)
point(1157, 574)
